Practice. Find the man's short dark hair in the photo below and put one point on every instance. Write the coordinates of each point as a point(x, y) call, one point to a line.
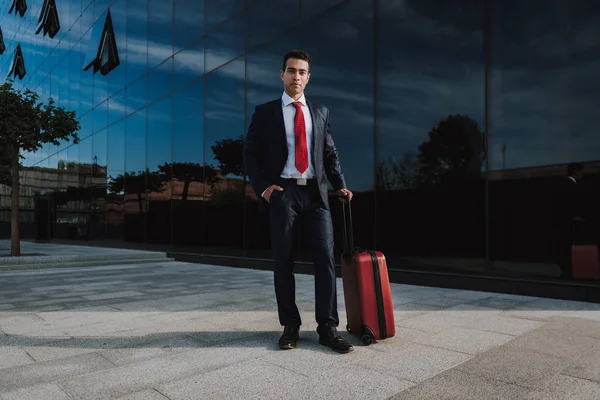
point(298, 54)
point(573, 168)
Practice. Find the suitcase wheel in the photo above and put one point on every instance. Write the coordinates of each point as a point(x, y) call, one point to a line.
point(367, 339)
point(348, 327)
point(368, 336)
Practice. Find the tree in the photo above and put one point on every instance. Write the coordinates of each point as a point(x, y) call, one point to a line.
point(228, 152)
point(187, 173)
point(455, 151)
point(25, 126)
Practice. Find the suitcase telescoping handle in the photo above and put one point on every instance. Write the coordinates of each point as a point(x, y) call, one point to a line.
point(348, 234)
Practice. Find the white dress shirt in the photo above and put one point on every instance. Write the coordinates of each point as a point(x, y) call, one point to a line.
point(289, 113)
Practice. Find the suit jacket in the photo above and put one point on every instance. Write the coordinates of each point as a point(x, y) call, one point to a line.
point(266, 151)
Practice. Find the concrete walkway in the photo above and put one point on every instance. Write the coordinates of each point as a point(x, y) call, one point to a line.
point(189, 331)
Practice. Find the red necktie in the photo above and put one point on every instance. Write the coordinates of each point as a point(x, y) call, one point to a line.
point(300, 139)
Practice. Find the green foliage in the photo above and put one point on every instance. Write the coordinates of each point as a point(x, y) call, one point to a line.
point(26, 124)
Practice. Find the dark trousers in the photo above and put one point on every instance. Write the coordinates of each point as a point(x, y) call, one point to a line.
point(287, 208)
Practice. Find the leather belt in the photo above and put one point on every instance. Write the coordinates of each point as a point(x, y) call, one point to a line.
point(298, 181)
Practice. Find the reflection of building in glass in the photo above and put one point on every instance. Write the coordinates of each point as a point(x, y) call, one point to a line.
point(453, 168)
point(48, 19)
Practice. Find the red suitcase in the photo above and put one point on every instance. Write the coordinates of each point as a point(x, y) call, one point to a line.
point(584, 259)
point(367, 293)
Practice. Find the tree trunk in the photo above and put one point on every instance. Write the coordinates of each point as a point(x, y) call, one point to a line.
point(15, 243)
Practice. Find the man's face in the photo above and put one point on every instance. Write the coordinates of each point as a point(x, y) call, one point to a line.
point(295, 77)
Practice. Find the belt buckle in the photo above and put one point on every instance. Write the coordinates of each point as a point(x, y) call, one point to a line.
point(301, 181)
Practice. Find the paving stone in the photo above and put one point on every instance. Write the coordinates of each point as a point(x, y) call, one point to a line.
point(586, 367)
point(456, 384)
point(13, 356)
point(130, 378)
point(44, 372)
point(519, 366)
point(506, 325)
point(437, 321)
point(465, 340)
point(413, 362)
point(556, 342)
point(256, 379)
point(47, 391)
point(150, 394)
point(567, 387)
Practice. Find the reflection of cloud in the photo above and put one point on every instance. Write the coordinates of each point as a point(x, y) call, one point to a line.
point(118, 107)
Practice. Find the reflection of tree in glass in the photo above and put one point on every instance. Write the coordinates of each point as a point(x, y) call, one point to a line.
point(455, 151)
point(228, 152)
point(399, 174)
point(187, 173)
point(136, 183)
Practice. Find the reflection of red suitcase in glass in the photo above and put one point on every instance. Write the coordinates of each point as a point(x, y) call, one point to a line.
point(367, 292)
point(584, 260)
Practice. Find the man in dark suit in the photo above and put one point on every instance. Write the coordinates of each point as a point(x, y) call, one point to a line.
point(288, 155)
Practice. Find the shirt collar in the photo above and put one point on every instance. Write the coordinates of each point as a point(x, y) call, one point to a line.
point(287, 100)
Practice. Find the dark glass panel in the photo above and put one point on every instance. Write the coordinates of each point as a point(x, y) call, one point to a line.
point(189, 186)
point(267, 19)
point(115, 196)
point(160, 167)
point(220, 10)
point(188, 63)
point(136, 200)
point(100, 116)
point(136, 95)
point(160, 31)
point(160, 80)
point(97, 191)
point(188, 22)
point(431, 138)
point(116, 77)
point(543, 92)
point(312, 7)
point(224, 118)
point(225, 43)
point(137, 47)
point(117, 107)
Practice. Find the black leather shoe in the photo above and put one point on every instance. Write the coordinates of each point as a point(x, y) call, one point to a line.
point(336, 342)
point(289, 338)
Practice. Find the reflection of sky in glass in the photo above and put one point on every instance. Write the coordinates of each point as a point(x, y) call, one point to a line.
point(188, 121)
point(429, 64)
point(430, 67)
point(224, 112)
point(160, 135)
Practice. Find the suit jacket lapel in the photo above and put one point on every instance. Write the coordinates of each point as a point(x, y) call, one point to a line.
point(280, 124)
point(317, 133)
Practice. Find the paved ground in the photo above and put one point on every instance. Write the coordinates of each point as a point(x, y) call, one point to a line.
point(190, 331)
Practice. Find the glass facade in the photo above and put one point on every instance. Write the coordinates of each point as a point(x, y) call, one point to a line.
point(455, 122)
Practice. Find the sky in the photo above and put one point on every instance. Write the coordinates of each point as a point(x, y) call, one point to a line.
point(429, 63)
